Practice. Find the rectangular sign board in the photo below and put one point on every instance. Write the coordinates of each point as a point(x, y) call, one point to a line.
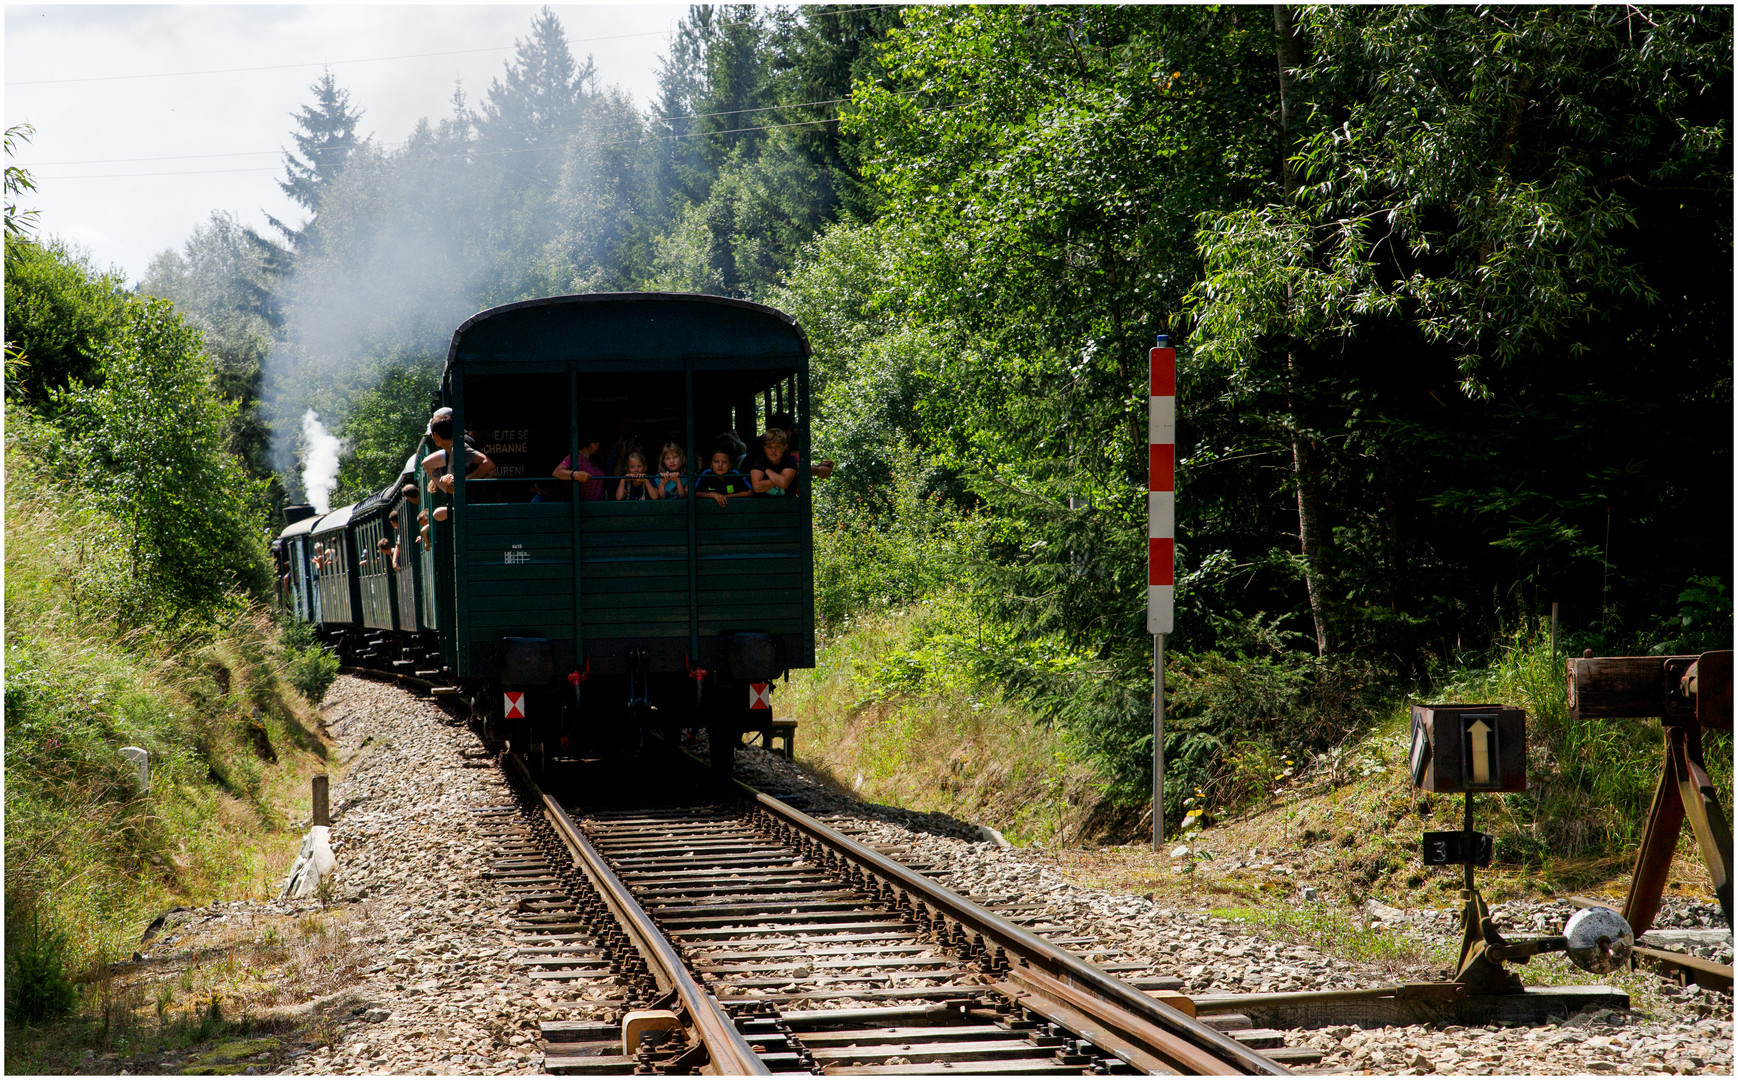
point(1469, 748)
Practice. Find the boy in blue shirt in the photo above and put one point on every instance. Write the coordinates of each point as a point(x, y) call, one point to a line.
point(723, 482)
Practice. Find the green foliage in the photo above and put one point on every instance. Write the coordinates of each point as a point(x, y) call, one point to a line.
point(1704, 620)
point(1260, 713)
point(536, 107)
point(60, 314)
point(1590, 782)
point(325, 142)
point(382, 425)
point(220, 282)
point(1327, 928)
point(310, 668)
point(896, 711)
point(95, 855)
point(889, 548)
point(151, 448)
point(37, 987)
point(1482, 196)
point(18, 182)
point(1057, 185)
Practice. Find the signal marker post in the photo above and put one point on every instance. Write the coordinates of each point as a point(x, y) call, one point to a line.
point(1161, 545)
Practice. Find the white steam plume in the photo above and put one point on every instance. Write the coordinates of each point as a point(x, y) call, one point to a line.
point(320, 466)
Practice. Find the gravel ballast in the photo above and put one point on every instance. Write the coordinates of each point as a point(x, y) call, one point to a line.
point(436, 990)
point(1216, 956)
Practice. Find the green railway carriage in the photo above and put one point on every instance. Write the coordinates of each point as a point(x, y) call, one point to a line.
point(335, 582)
point(575, 624)
point(293, 548)
point(374, 578)
point(405, 577)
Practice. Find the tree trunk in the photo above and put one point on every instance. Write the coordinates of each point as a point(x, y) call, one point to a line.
point(1315, 535)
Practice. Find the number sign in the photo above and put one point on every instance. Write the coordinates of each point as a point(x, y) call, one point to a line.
point(1458, 848)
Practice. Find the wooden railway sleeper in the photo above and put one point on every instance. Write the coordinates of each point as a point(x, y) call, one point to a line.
point(937, 927)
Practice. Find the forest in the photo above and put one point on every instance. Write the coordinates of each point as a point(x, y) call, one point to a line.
point(1451, 289)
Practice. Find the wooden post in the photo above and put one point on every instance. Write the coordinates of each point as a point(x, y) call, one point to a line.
point(1553, 631)
point(322, 810)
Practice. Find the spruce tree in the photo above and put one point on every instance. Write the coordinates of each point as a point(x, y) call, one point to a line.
point(325, 141)
point(537, 107)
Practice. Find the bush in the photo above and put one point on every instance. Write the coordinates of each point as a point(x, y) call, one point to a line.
point(151, 442)
point(310, 667)
point(60, 313)
point(37, 987)
point(891, 548)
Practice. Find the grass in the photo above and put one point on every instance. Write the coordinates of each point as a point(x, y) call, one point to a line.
point(880, 718)
point(90, 853)
point(212, 1007)
point(1334, 931)
point(889, 714)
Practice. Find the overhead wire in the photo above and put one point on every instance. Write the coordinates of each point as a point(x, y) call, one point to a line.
point(399, 144)
point(470, 154)
point(364, 59)
point(402, 143)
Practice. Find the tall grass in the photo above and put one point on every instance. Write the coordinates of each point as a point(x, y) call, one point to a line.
point(894, 712)
point(91, 855)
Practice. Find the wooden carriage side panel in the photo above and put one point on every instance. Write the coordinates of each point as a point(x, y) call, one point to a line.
point(634, 562)
point(519, 575)
point(754, 572)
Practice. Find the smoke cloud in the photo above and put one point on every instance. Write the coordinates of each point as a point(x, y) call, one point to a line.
point(409, 243)
point(320, 465)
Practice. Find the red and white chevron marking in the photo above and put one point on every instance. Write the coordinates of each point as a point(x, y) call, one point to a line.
point(1161, 488)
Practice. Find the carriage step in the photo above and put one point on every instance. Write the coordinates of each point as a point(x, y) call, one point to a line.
point(423, 673)
point(404, 663)
point(445, 691)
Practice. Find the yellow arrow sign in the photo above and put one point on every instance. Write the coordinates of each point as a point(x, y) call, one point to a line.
point(1481, 752)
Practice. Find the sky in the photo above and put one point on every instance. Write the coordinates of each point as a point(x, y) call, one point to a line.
point(150, 117)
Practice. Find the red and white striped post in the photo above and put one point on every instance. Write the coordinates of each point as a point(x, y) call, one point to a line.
point(1161, 545)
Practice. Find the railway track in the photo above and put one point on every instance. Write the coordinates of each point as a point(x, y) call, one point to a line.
point(739, 936)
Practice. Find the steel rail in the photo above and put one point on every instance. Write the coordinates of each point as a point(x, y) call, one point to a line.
point(401, 679)
point(729, 1052)
point(1172, 1036)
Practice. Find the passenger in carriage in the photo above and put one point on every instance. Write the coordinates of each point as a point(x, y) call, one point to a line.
point(774, 470)
point(636, 485)
point(737, 448)
point(787, 423)
point(672, 461)
point(477, 464)
point(588, 473)
point(723, 482)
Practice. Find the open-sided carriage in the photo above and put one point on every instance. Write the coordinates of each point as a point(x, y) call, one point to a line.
point(577, 625)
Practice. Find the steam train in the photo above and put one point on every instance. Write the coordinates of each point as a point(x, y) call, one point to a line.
point(575, 627)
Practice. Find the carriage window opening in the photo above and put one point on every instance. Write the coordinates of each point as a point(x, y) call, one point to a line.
point(523, 423)
point(742, 404)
